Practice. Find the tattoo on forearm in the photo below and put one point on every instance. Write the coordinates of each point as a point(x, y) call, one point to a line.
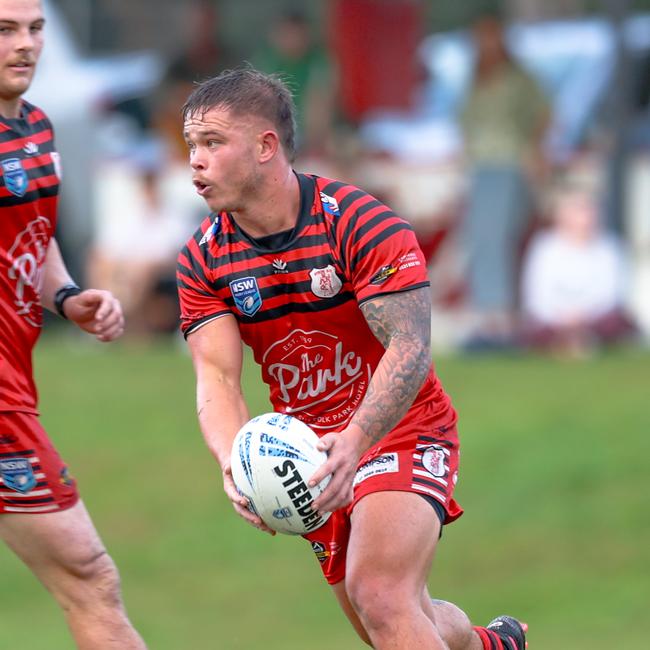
point(402, 324)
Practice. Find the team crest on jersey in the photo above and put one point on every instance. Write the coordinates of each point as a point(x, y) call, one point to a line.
point(330, 204)
point(16, 180)
point(246, 295)
point(324, 282)
point(17, 474)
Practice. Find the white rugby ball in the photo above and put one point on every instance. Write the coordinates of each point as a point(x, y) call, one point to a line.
point(273, 457)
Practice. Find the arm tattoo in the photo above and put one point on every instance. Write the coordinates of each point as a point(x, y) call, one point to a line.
point(402, 324)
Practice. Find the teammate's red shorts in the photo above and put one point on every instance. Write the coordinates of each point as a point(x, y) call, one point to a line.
point(33, 478)
point(425, 465)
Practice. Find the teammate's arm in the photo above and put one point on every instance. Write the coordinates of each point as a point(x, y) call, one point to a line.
point(95, 311)
point(402, 324)
point(216, 350)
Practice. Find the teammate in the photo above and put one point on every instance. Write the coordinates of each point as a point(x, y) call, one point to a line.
point(41, 516)
point(329, 289)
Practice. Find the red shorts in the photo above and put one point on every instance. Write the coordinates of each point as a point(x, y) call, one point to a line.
point(33, 478)
point(425, 464)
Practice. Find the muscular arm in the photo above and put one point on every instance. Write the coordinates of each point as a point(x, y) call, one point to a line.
point(402, 324)
point(216, 351)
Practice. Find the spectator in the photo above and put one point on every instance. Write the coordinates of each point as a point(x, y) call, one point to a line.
point(503, 120)
point(293, 52)
point(574, 280)
point(135, 246)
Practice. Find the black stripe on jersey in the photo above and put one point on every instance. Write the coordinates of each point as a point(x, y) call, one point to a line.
point(285, 308)
point(436, 487)
point(27, 452)
point(26, 501)
point(29, 197)
point(352, 227)
point(435, 441)
point(195, 268)
point(419, 285)
point(376, 240)
point(250, 254)
point(206, 319)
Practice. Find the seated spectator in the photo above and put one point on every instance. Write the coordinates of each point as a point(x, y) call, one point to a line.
point(145, 207)
point(574, 281)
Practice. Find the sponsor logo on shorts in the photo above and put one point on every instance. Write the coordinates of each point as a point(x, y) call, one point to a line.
point(17, 474)
point(8, 439)
point(384, 464)
point(433, 460)
point(324, 551)
point(65, 478)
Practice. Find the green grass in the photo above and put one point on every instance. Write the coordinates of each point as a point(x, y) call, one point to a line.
point(554, 481)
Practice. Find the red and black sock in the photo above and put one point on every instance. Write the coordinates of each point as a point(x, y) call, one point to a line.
point(492, 641)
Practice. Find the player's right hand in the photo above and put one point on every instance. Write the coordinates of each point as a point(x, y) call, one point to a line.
point(240, 502)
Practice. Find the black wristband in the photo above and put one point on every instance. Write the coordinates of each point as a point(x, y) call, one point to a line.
point(62, 294)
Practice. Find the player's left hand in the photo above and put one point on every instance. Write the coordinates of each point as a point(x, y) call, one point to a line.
point(343, 452)
point(97, 312)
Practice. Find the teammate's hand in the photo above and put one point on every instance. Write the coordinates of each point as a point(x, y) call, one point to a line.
point(97, 312)
point(343, 452)
point(240, 502)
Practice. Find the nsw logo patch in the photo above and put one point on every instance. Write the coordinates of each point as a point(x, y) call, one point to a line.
point(246, 295)
point(17, 474)
point(16, 180)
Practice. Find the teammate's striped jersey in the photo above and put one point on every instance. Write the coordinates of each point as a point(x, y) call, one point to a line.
point(29, 188)
point(297, 295)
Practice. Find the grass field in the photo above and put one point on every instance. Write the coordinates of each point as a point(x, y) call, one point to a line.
point(554, 481)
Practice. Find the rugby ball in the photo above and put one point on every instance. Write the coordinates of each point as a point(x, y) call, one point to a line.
point(273, 457)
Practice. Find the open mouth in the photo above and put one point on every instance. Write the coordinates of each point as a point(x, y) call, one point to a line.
point(201, 188)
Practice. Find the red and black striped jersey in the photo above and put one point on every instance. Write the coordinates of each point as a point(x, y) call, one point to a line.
point(29, 188)
point(297, 295)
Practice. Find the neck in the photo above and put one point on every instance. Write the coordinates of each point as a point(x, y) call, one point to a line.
point(10, 107)
point(275, 208)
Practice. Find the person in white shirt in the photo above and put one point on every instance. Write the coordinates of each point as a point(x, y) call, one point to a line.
point(574, 280)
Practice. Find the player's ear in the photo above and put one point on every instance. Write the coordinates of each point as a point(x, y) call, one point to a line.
point(268, 143)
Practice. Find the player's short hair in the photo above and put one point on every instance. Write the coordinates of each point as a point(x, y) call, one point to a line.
point(246, 91)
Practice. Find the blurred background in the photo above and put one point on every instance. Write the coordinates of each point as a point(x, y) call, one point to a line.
point(515, 137)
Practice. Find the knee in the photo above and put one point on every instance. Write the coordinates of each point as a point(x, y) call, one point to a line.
point(379, 602)
point(91, 582)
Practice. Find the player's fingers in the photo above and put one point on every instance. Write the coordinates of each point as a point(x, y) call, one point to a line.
point(326, 442)
point(337, 494)
point(110, 331)
point(252, 519)
point(322, 472)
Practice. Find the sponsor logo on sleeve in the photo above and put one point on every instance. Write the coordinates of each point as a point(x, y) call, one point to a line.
point(408, 261)
point(383, 274)
point(246, 295)
point(384, 464)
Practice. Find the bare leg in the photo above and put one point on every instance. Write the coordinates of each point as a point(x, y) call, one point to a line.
point(65, 553)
